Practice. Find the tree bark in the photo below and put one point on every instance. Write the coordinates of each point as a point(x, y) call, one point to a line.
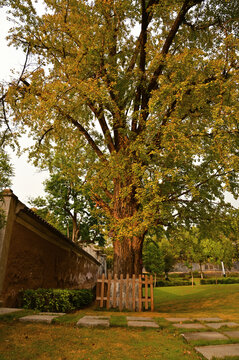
point(128, 246)
point(128, 256)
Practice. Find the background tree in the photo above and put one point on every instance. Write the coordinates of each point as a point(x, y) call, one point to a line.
point(6, 172)
point(153, 260)
point(67, 204)
point(152, 87)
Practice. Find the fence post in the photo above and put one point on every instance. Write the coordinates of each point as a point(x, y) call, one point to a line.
point(127, 292)
point(108, 292)
point(102, 291)
point(151, 293)
point(146, 293)
point(114, 291)
point(140, 293)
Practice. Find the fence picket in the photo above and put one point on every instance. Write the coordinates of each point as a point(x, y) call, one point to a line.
point(121, 293)
point(114, 294)
point(133, 290)
point(125, 293)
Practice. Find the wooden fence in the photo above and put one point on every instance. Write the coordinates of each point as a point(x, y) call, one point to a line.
point(131, 293)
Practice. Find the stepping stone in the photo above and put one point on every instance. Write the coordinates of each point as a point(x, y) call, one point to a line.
point(92, 321)
point(232, 334)
point(4, 311)
point(218, 351)
point(209, 319)
point(205, 335)
point(174, 320)
point(219, 325)
point(38, 318)
point(150, 324)
point(138, 318)
point(190, 326)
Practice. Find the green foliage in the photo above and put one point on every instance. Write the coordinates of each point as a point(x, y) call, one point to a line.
point(56, 300)
point(153, 258)
point(158, 254)
point(224, 280)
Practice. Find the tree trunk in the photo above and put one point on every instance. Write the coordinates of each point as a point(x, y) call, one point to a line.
point(128, 256)
point(128, 234)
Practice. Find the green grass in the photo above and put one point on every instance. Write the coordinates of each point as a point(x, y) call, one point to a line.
point(44, 342)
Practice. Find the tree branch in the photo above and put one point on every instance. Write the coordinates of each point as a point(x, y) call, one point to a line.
point(83, 132)
point(188, 4)
point(99, 113)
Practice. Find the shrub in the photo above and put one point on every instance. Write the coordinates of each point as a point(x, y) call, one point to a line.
point(227, 280)
point(162, 283)
point(56, 300)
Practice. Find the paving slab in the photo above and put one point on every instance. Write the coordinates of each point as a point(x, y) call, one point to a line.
point(190, 326)
point(209, 319)
point(174, 320)
point(38, 318)
point(93, 321)
point(232, 334)
point(4, 311)
point(138, 318)
point(218, 351)
point(219, 325)
point(150, 324)
point(204, 335)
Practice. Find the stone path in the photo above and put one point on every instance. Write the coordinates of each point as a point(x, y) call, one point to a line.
point(93, 321)
point(209, 351)
point(137, 321)
point(41, 317)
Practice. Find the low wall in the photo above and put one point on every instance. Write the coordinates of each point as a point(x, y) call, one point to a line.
point(33, 254)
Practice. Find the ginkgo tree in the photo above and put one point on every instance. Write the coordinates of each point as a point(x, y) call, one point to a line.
point(152, 87)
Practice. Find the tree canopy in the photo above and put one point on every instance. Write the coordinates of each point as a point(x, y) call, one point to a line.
point(152, 88)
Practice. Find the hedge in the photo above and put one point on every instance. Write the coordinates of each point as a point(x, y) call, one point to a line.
point(56, 300)
point(161, 283)
point(225, 280)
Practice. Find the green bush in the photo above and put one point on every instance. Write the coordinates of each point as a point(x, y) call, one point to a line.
point(224, 280)
point(56, 300)
point(162, 283)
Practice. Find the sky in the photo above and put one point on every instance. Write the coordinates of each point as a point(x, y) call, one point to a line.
point(28, 180)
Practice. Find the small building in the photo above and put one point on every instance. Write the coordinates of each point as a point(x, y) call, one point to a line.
point(34, 254)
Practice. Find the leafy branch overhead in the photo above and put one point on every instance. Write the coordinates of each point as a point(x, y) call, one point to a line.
point(152, 88)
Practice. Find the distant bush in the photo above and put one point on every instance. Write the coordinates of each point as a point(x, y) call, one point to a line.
point(233, 274)
point(224, 280)
point(163, 283)
point(179, 275)
point(56, 300)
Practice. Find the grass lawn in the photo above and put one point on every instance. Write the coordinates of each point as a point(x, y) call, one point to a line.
point(200, 300)
point(64, 341)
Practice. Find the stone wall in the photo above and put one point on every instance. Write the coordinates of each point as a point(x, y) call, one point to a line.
point(33, 254)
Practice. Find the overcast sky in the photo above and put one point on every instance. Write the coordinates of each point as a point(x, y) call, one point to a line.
point(28, 180)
